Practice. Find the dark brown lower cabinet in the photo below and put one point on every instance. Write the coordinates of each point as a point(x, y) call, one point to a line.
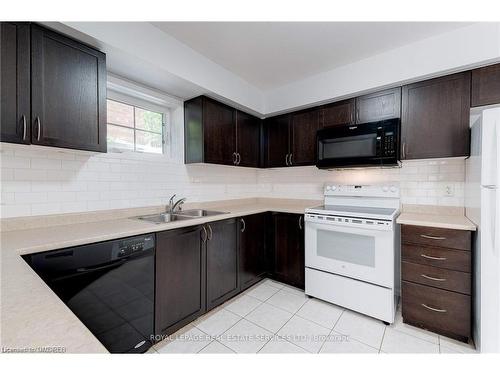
point(288, 249)
point(222, 261)
point(437, 280)
point(252, 249)
point(180, 278)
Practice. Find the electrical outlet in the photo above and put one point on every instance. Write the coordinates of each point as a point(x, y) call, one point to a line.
point(449, 191)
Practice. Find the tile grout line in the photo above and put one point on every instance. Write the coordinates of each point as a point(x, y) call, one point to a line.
point(382, 341)
point(331, 330)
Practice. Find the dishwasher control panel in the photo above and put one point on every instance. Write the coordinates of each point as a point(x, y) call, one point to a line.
point(132, 245)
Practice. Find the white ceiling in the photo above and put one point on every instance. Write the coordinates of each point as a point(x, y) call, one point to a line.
point(271, 54)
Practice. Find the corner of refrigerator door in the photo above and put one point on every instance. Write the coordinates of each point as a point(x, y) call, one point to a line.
point(490, 144)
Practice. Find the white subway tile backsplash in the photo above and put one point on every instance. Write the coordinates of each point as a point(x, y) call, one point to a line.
point(37, 180)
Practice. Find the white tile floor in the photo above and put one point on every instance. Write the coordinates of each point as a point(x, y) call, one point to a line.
point(272, 317)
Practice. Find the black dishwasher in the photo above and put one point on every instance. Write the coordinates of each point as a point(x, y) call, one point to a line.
point(109, 286)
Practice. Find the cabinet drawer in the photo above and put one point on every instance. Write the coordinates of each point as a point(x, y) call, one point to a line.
point(437, 310)
point(457, 260)
point(451, 238)
point(454, 281)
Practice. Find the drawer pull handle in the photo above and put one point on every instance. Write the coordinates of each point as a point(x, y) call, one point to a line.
point(433, 309)
point(432, 278)
point(433, 258)
point(432, 237)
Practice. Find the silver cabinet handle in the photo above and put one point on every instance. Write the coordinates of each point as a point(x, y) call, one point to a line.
point(243, 224)
point(432, 237)
point(432, 278)
point(286, 160)
point(210, 233)
point(433, 258)
point(234, 158)
point(24, 126)
point(39, 127)
point(238, 158)
point(433, 309)
point(403, 151)
point(300, 222)
point(204, 238)
point(290, 158)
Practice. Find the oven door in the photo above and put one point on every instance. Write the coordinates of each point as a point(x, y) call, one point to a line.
point(358, 253)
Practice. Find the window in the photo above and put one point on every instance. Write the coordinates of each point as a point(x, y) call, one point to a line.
point(133, 128)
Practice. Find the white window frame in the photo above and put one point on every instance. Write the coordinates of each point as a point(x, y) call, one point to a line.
point(127, 92)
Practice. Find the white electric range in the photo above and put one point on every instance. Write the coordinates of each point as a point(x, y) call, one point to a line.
point(353, 249)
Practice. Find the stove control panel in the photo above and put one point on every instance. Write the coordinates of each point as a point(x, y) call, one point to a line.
point(387, 190)
point(349, 221)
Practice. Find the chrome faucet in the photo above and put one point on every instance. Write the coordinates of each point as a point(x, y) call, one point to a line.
point(173, 206)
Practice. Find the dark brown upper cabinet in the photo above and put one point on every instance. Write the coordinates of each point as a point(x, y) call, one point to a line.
point(216, 133)
point(485, 86)
point(288, 249)
point(15, 82)
point(291, 139)
point(180, 278)
point(435, 121)
point(252, 249)
point(303, 128)
point(277, 130)
point(68, 92)
point(248, 129)
point(222, 261)
point(378, 106)
point(338, 113)
point(219, 132)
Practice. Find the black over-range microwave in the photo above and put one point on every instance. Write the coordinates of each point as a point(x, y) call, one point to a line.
point(370, 144)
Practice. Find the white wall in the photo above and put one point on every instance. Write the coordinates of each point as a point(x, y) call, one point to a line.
point(145, 42)
point(460, 49)
point(37, 180)
point(439, 55)
point(421, 181)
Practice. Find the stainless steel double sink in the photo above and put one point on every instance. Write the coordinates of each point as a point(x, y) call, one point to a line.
point(166, 217)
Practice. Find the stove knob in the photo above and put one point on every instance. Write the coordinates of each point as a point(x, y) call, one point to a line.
point(393, 189)
point(334, 188)
point(328, 188)
point(385, 189)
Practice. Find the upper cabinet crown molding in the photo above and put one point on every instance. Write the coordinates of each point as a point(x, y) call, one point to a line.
point(67, 81)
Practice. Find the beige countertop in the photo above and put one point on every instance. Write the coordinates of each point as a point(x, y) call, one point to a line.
point(32, 316)
point(437, 217)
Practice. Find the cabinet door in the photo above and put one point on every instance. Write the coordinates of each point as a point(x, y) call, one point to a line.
point(252, 249)
point(486, 85)
point(222, 262)
point(248, 139)
point(278, 141)
point(68, 91)
point(180, 278)
point(435, 122)
point(378, 106)
point(304, 125)
point(339, 113)
point(219, 132)
point(15, 82)
point(289, 266)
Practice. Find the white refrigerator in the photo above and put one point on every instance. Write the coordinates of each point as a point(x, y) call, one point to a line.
point(482, 206)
